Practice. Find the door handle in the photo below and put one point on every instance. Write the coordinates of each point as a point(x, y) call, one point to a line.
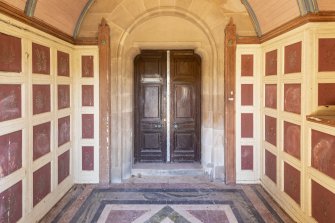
point(158, 126)
point(175, 126)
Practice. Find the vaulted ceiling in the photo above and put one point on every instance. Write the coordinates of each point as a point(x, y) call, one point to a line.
point(76, 18)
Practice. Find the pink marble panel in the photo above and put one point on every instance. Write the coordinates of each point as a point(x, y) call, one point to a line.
point(326, 94)
point(63, 166)
point(326, 54)
point(10, 153)
point(87, 126)
point(41, 140)
point(41, 183)
point(292, 139)
point(247, 125)
point(271, 96)
point(271, 63)
point(247, 96)
point(11, 204)
point(292, 182)
point(41, 99)
point(124, 216)
point(87, 69)
point(10, 101)
point(63, 96)
point(210, 216)
point(87, 158)
point(247, 157)
point(271, 166)
point(271, 130)
point(87, 95)
point(63, 64)
point(292, 98)
point(293, 58)
point(40, 59)
point(10, 53)
point(323, 204)
point(247, 65)
point(323, 153)
point(64, 128)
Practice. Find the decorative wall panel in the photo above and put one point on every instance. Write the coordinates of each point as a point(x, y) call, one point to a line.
point(63, 166)
point(326, 54)
point(10, 101)
point(41, 99)
point(292, 139)
point(326, 94)
point(323, 204)
point(323, 153)
point(41, 183)
point(247, 65)
point(292, 182)
point(293, 58)
point(87, 158)
point(292, 98)
point(271, 96)
point(40, 59)
point(247, 158)
point(63, 64)
point(247, 125)
point(87, 69)
point(87, 95)
point(10, 53)
point(87, 126)
point(247, 96)
point(41, 140)
point(10, 153)
point(11, 204)
point(271, 63)
point(271, 130)
point(63, 96)
point(271, 166)
point(64, 125)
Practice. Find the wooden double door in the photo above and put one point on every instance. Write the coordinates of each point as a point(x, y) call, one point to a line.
point(167, 106)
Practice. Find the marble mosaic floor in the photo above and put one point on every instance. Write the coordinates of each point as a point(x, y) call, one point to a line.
point(167, 200)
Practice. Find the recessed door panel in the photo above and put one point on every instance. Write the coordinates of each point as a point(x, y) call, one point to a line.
point(152, 102)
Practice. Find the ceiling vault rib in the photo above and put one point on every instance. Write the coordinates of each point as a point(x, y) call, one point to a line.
point(30, 7)
point(253, 17)
point(308, 6)
point(81, 18)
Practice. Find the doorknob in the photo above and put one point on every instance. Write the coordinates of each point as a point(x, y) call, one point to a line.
point(175, 126)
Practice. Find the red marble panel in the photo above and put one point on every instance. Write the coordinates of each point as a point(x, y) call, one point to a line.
point(10, 153)
point(327, 54)
point(292, 182)
point(323, 153)
point(271, 63)
point(271, 130)
point(271, 166)
point(271, 96)
point(247, 125)
point(41, 99)
point(292, 139)
point(293, 58)
point(247, 157)
point(323, 204)
point(87, 95)
point(63, 64)
point(10, 101)
point(210, 216)
point(40, 59)
point(292, 98)
point(87, 158)
point(87, 69)
point(63, 166)
point(247, 96)
point(63, 96)
point(247, 65)
point(10, 53)
point(64, 128)
point(41, 140)
point(11, 204)
point(87, 126)
point(41, 183)
point(326, 94)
